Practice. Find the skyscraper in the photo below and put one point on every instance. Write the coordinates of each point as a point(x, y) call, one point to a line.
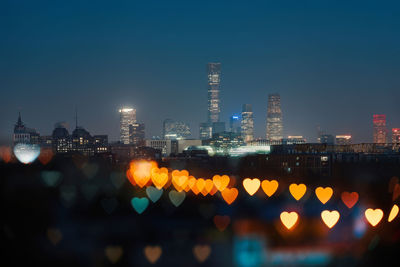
point(214, 78)
point(274, 118)
point(247, 125)
point(380, 131)
point(127, 117)
point(136, 134)
point(396, 135)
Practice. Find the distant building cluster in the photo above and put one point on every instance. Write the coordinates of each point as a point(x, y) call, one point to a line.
point(175, 140)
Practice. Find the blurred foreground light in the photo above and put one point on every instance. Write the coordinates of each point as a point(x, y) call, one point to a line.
point(359, 224)
point(5, 154)
point(393, 213)
point(248, 251)
point(26, 153)
point(374, 216)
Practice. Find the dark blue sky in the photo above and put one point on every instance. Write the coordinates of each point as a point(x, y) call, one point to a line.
point(335, 63)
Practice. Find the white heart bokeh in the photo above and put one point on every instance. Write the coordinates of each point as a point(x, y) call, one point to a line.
point(26, 153)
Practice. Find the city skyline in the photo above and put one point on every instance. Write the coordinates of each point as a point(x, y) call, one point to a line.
point(327, 74)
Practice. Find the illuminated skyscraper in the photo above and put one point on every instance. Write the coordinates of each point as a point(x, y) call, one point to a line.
point(214, 78)
point(380, 131)
point(274, 118)
point(247, 129)
point(396, 135)
point(127, 117)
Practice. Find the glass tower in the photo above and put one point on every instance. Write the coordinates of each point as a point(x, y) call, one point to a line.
point(274, 118)
point(127, 117)
point(214, 78)
point(247, 129)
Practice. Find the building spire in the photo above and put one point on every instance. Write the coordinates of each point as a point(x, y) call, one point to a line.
point(19, 121)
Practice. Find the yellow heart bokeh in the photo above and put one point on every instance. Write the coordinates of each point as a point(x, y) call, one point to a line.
point(330, 218)
point(180, 179)
point(159, 177)
point(269, 187)
point(297, 191)
point(324, 194)
point(221, 182)
point(289, 219)
point(251, 185)
point(374, 216)
point(393, 213)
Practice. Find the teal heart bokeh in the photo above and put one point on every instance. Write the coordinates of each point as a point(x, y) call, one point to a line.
point(117, 179)
point(153, 193)
point(51, 178)
point(139, 204)
point(177, 197)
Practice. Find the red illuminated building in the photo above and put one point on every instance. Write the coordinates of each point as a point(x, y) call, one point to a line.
point(380, 131)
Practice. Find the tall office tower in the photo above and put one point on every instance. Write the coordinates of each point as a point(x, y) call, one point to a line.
point(380, 131)
point(274, 118)
point(175, 130)
point(396, 135)
point(214, 78)
point(136, 134)
point(247, 129)
point(127, 117)
point(235, 124)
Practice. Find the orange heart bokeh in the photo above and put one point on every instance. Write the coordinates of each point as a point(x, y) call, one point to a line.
point(297, 190)
point(152, 253)
point(269, 187)
point(201, 252)
point(324, 194)
point(159, 177)
point(141, 171)
point(221, 182)
point(180, 179)
point(229, 195)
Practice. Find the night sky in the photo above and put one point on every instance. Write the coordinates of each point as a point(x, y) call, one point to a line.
point(335, 63)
